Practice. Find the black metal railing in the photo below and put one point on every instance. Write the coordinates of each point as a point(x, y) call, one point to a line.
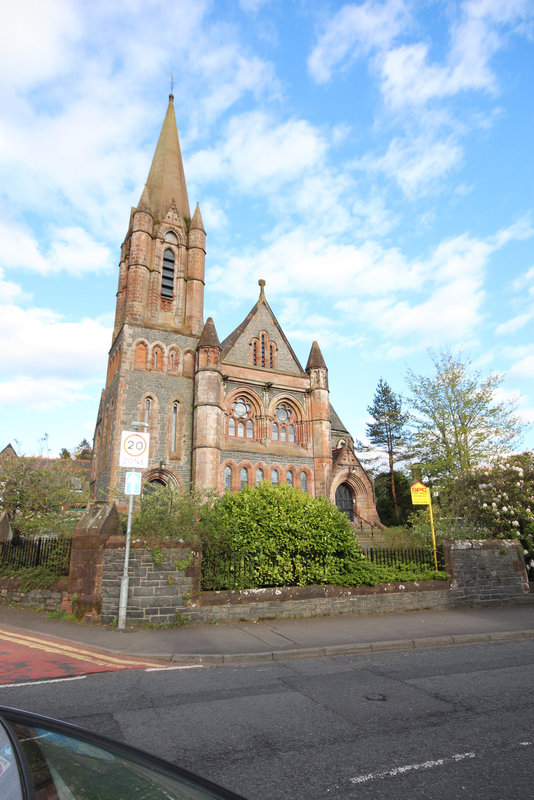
point(393, 557)
point(222, 570)
point(53, 552)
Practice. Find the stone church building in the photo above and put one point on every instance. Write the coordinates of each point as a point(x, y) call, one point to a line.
point(219, 414)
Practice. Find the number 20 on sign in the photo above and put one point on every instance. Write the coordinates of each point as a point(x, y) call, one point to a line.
point(134, 449)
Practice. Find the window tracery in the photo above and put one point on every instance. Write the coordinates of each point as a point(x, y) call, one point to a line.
point(240, 421)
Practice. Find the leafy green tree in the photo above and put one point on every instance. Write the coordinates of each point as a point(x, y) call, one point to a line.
point(64, 454)
point(388, 431)
point(37, 495)
point(84, 451)
point(457, 420)
point(389, 512)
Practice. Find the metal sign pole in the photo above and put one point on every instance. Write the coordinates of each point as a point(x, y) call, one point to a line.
point(123, 597)
point(134, 453)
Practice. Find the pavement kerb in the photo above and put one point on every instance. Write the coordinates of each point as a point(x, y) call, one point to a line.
point(348, 649)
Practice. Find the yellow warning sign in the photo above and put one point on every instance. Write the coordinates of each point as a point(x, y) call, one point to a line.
point(420, 494)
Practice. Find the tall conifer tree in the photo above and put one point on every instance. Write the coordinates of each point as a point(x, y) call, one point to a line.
point(387, 430)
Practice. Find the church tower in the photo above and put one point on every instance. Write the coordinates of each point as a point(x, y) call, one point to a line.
point(158, 322)
point(221, 415)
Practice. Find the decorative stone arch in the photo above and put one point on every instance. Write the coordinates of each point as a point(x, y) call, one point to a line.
point(174, 360)
point(256, 478)
point(176, 416)
point(157, 357)
point(276, 470)
point(307, 471)
point(244, 465)
point(164, 476)
point(189, 364)
point(263, 351)
point(292, 475)
point(288, 420)
point(149, 413)
point(348, 484)
point(243, 414)
point(224, 484)
point(141, 354)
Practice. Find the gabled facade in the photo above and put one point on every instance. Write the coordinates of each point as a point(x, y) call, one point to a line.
point(219, 415)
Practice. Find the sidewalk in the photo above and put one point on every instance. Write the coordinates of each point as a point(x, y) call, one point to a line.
point(281, 639)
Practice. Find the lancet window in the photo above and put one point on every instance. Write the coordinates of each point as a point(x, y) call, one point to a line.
point(167, 274)
point(264, 351)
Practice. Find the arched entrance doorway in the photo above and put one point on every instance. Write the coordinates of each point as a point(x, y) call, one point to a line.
point(344, 500)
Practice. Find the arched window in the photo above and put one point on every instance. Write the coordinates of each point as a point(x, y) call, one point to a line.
point(171, 237)
point(147, 410)
point(172, 361)
point(241, 419)
point(259, 476)
point(275, 432)
point(289, 478)
point(228, 478)
point(157, 358)
point(304, 481)
point(263, 351)
point(285, 422)
point(275, 478)
point(167, 274)
point(174, 430)
point(244, 476)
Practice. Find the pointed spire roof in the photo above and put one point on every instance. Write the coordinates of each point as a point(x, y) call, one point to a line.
point(208, 337)
point(315, 359)
point(166, 179)
point(197, 221)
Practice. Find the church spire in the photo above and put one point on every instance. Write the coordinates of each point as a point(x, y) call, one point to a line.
point(166, 180)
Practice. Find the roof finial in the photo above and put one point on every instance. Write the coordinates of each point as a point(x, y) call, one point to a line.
point(171, 96)
point(261, 284)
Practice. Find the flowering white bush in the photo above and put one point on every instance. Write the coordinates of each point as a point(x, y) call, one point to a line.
point(479, 497)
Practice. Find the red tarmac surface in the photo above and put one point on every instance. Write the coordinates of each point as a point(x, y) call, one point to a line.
point(28, 657)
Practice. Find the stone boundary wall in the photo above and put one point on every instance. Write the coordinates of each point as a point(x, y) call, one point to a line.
point(46, 599)
point(157, 593)
point(486, 572)
point(483, 573)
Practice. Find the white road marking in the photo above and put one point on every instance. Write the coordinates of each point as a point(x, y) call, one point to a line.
point(391, 773)
point(38, 683)
point(164, 669)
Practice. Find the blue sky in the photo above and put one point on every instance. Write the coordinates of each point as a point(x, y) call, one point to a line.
point(373, 162)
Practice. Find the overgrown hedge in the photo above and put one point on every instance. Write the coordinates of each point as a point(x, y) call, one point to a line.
point(286, 536)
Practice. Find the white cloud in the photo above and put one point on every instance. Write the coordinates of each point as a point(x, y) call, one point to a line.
point(40, 393)
point(410, 79)
point(35, 40)
point(71, 250)
point(43, 344)
point(416, 164)
point(524, 367)
point(514, 324)
point(259, 155)
point(354, 31)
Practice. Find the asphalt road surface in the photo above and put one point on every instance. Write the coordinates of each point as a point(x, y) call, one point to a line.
point(441, 723)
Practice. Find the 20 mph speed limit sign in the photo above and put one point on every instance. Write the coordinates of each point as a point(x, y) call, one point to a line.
point(134, 449)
